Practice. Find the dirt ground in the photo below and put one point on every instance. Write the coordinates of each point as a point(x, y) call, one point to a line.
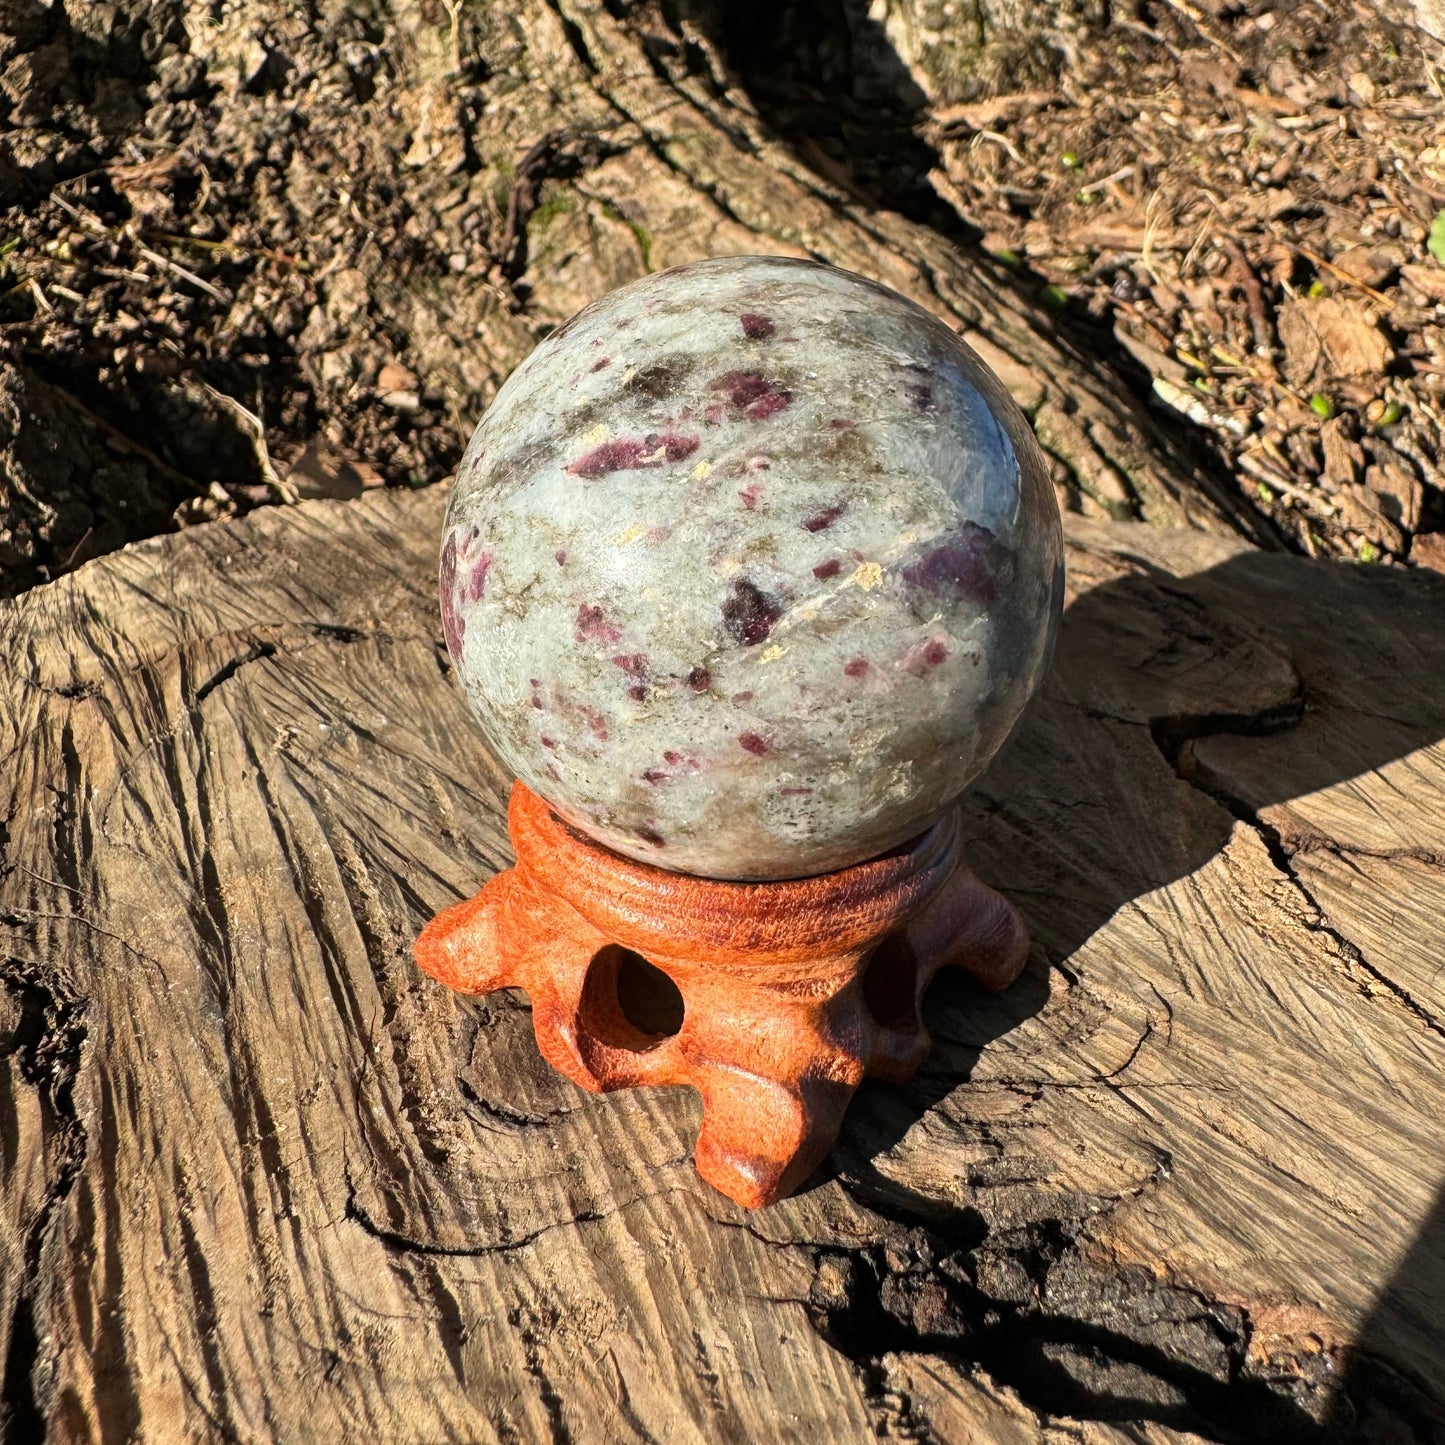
point(247, 259)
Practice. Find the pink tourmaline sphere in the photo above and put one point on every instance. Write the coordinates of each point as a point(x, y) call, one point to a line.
point(750, 568)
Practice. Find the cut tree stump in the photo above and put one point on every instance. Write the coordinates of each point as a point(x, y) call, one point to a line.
point(264, 1181)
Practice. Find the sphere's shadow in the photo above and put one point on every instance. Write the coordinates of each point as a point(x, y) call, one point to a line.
point(1346, 663)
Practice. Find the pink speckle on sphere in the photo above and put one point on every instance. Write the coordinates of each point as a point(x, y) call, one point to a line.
point(592, 626)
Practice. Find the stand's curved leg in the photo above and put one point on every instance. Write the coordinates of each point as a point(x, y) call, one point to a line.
point(968, 925)
point(469, 946)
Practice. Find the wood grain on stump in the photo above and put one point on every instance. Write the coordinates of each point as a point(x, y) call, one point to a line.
point(264, 1181)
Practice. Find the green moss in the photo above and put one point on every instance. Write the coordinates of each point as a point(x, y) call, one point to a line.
point(640, 233)
point(554, 203)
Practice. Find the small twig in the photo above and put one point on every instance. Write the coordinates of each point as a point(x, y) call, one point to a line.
point(167, 264)
point(253, 424)
point(229, 248)
point(98, 228)
point(1340, 274)
point(453, 8)
point(85, 537)
point(1151, 226)
point(1253, 296)
point(1188, 403)
point(1266, 474)
point(998, 140)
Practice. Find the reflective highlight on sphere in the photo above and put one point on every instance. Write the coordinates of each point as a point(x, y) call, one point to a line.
point(750, 568)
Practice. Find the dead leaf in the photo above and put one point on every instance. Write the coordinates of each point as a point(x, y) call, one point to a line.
point(148, 175)
point(1354, 345)
point(395, 377)
point(1399, 490)
point(1359, 511)
point(1280, 202)
point(321, 471)
point(1343, 455)
point(1362, 86)
point(1338, 331)
point(1429, 281)
point(1370, 265)
point(1302, 346)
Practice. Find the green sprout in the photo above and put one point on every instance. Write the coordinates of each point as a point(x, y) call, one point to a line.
point(1322, 406)
point(1368, 552)
point(1054, 297)
point(1317, 289)
point(1435, 243)
point(1391, 414)
point(1069, 160)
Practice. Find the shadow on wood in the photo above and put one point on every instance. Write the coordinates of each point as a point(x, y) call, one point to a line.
point(1378, 1400)
point(1229, 713)
point(1250, 695)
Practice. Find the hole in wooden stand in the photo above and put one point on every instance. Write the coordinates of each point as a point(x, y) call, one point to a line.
point(890, 984)
point(629, 1003)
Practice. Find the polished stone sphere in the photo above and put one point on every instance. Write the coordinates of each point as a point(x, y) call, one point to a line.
point(750, 568)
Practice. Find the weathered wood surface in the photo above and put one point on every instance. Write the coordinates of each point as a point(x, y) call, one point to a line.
point(264, 1181)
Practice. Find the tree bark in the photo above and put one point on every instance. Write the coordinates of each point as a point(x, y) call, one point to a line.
point(265, 1181)
point(436, 186)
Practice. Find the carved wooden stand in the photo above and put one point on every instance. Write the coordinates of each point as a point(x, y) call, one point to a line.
point(773, 1000)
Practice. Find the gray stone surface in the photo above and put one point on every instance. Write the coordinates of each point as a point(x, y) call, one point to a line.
point(750, 568)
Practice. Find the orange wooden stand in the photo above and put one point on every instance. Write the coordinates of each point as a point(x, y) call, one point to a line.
point(773, 1000)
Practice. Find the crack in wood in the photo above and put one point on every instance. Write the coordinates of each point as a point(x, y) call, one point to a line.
point(1171, 735)
point(48, 1041)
